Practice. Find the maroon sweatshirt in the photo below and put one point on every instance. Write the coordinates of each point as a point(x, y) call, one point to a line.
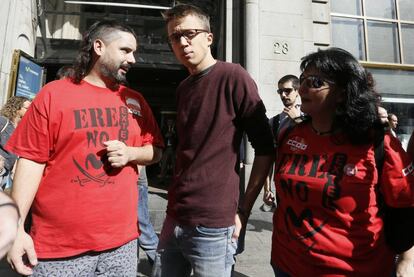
point(214, 109)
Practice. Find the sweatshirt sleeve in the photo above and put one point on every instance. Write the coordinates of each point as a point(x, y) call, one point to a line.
point(251, 113)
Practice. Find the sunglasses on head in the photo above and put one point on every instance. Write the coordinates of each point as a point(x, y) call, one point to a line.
point(314, 81)
point(287, 91)
point(187, 34)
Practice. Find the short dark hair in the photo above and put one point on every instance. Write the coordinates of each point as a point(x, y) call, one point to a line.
point(357, 114)
point(290, 78)
point(65, 71)
point(182, 10)
point(103, 30)
point(390, 115)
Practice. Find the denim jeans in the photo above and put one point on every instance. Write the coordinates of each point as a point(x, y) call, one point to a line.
point(148, 240)
point(205, 251)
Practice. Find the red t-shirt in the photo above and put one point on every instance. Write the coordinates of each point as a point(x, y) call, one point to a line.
point(327, 222)
point(82, 203)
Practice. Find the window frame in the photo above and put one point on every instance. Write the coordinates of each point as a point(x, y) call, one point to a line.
point(365, 19)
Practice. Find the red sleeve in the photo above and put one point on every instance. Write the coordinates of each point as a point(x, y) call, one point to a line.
point(397, 180)
point(31, 139)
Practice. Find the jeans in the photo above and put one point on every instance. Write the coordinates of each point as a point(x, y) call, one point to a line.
point(148, 240)
point(205, 251)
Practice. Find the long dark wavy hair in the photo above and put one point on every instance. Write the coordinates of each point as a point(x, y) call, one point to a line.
point(357, 114)
point(99, 30)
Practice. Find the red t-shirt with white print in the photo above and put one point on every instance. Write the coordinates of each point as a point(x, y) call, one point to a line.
point(83, 204)
point(327, 222)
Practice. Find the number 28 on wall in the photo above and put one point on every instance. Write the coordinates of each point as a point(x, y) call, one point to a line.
point(280, 48)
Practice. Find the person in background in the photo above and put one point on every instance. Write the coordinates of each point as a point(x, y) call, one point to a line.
point(327, 221)
point(9, 218)
point(79, 146)
point(383, 117)
point(393, 121)
point(216, 104)
point(288, 87)
point(168, 156)
point(148, 239)
point(66, 71)
point(10, 115)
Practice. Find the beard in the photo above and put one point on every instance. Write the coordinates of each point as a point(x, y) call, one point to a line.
point(287, 102)
point(111, 71)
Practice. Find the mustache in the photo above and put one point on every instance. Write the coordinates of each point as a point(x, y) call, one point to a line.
point(125, 67)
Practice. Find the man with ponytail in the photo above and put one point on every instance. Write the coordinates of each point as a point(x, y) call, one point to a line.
point(79, 146)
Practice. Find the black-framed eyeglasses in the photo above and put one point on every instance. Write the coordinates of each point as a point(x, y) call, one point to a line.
point(287, 91)
point(314, 81)
point(188, 34)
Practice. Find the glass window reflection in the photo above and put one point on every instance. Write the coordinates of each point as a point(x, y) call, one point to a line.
point(407, 34)
point(352, 7)
point(349, 34)
point(406, 8)
point(380, 8)
point(383, 42)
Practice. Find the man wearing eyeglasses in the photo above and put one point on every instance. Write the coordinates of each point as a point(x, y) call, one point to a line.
point(288, 87)
point(215, 105)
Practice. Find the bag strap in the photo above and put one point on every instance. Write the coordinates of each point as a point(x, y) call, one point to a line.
point(379, 163)
point(379, 154)
point(281, 136)
point(5, 126)
point(275, 126)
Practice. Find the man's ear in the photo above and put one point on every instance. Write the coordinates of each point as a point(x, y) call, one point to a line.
point(99, 47)
point(210, 38)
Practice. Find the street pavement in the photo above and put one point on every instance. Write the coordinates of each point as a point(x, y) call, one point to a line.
point(253, 262)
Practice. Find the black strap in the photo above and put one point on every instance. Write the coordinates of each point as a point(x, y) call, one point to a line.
point(275, 125)
point(379, 154)
point(4, 126)
point(379, 163)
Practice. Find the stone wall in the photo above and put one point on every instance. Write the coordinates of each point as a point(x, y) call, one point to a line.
point(18, 22)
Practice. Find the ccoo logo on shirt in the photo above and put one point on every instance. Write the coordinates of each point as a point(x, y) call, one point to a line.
point(297, 143)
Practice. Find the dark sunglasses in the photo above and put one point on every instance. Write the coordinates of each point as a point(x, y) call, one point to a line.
point(287, 91)
point(187, 34)
point(314, 81)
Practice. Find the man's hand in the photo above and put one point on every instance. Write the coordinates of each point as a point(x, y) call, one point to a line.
point(238, 226)
point(117, 152)
point(292, 112)
point(405, 263)
point(405, 268)
point(23, 246)
point(268, 197)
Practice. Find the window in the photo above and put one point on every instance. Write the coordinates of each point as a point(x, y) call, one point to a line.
point(349, 33)
point(379, 31)
point(347, 6)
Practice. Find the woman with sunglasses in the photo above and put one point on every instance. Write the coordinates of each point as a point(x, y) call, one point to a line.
point(327, 221)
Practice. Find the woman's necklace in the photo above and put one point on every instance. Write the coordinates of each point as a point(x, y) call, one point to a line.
point(321, 133)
